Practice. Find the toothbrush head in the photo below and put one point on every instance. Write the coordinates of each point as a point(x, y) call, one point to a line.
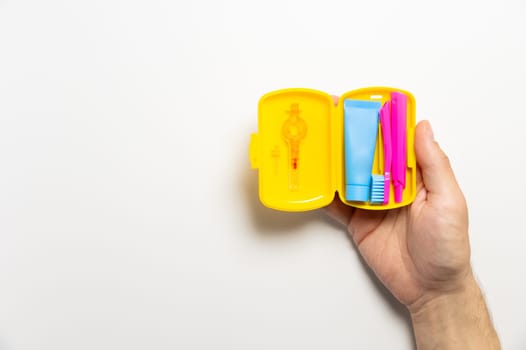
point(377, 189)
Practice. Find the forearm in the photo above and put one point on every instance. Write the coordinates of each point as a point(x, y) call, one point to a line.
point(458, 320)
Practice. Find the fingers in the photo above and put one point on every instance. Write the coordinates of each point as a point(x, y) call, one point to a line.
point(364, 222)
point(339, 211)
point(437, 175)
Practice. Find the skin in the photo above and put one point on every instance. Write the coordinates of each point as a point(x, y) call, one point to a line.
point(422, 248)
point(421, 253)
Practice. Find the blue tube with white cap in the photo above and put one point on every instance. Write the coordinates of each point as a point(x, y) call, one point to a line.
point(360, 132)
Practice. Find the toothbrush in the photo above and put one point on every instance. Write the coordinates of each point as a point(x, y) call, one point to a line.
point(399, 140)
point(381, 184)
point(385, 121)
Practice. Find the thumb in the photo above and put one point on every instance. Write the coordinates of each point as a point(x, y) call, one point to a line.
point(437, 175)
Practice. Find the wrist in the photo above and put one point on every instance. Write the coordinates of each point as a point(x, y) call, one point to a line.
point(454, 319)
point(444, 297)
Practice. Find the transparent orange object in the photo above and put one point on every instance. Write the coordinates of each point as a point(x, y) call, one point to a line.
point(294, 130)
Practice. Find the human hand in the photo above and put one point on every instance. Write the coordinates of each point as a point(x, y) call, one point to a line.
point(420, 251)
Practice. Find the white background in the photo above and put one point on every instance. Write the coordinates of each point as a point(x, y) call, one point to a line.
point(129, 216)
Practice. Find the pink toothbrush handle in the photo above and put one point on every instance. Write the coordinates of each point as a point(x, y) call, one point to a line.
point(399, 139)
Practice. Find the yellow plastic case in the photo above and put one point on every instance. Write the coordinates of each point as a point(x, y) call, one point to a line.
point(321, 153)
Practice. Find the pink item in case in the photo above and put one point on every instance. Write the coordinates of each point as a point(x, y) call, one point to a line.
point(399, 139)
point(385, 121)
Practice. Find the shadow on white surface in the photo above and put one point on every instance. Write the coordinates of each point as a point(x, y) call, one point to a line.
point(394, 305)
point(270, 221)
point(273, 222)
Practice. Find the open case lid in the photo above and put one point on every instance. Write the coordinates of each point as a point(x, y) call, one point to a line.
point(299, 149)
point(293, 149)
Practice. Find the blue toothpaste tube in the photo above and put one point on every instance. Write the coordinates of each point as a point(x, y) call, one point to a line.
point(359, 138)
